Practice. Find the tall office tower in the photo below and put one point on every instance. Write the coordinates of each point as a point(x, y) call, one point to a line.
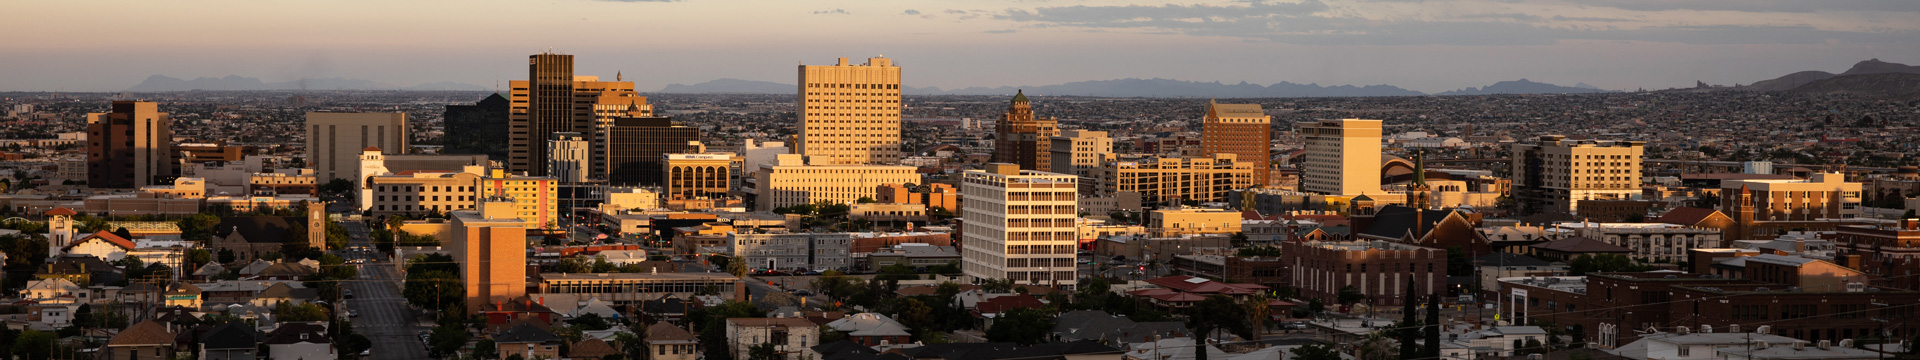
point(568, 157)
point(1554, 174)
point(490, 245)
point(554, 100)
point(1022, 139)
point(697, 176)
point(1019, 225)
point(478, 129)
point(1079, 152)
point(850, 115)
point(335, 141)
point(1239, 129)
point(1343, 157)
point(635, 147)
point(129, 147)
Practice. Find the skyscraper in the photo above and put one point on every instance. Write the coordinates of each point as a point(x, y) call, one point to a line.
point(335, 141)
point(129, 147)
point(1079, 152)
point(1022, 139)
point(489, 244)
point(568, 157)
point(478, 129)
point(1019, 225)
point(850, 115)
point(1239, 129)
point(635, 149)
point(1343, 157)
point(554, 100)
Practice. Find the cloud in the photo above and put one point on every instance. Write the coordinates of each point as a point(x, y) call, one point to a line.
point(1007, 31)
point(1312, 22)
point(1760, 6)
point(833, 12)
point(911, 12)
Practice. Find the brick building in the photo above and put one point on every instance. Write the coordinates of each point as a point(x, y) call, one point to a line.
point(1379, 269)
point(1614, 309)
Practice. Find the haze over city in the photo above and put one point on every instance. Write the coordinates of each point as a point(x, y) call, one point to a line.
point(1428, 46)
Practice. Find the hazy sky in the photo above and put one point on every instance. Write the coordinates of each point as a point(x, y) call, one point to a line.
point(1433, 45)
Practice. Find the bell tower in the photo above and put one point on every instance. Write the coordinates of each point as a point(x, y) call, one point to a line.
point(317, 225)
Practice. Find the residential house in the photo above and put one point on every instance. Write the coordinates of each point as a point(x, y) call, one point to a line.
point(792, 337)
point(52, 288)
point(147, 340)
point(590, 349)
point(528, 341)
point(229, 341)
point(872, 329)
point(300, 341)
point(668, 342)
point(280, 293)
point(101, 244)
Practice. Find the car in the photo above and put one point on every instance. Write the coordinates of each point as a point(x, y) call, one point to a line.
point(802, 292)
point(346, 293)
point(353, 313)
point(367, 352)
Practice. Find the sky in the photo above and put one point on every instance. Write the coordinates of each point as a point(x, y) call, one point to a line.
point(1430, 45)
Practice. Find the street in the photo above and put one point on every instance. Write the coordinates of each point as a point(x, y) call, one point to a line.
point(385, 317)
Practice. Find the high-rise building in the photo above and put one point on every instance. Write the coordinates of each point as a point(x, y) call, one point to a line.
point(478, 129)
point(1553, 174)
point(790, 182)
point(335, 141)
point(1239, 129)
point(697, 176)
point(568, 157)
point(1343, 157)
point(129, 147)
point(1019, 225)
point(490, 245)
point(1079, 152)
point(633, 148)
point(850, 115)
point(1171, 180)
point(1022, 139)
point(554, 100)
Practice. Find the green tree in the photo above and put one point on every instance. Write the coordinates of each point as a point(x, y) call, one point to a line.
point(198, 226)
point(913, 313)
point(1432, 327)
point(448, 338)
point(1021, 325)
point(1599, 263)
point(1315, 352)
point(1349, 295)
point(1218, 312)
point(226, 256)
point(287, 311)
point(590, 321)
point(34, 344)
point(1409, 327)
point(763, 351)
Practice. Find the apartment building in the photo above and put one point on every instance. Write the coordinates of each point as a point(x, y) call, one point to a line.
point(1019, 225)
point(1343, 157)
point(1174, 180)
point(850, 114)
point(1553, 174)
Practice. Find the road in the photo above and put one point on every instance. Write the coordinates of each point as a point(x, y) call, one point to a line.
point(385, 317)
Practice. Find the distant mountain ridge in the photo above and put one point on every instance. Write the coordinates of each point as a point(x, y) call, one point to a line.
point(161, 83)
point(1798, 79)
point(731, 86)
point(1524, 86)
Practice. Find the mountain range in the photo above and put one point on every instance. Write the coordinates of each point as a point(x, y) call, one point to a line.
point(1803, 78)
point(159, 83)
point(1157, 88)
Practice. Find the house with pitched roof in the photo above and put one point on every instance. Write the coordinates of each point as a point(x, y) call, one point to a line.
point(1434, 228)
point(228, 341)
point(528, 341)
point(52, 288)
point(147, 340)
point(794, 337)
point(590, 349)
point(249, 237)
point(300, 341)
point(668, 342)
point(101, 244)
point(282, 292)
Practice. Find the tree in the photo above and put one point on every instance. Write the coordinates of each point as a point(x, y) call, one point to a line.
point(590, 321)
point(1458, 263)
point(33, 344)
point(1432, 327)
point(1315, 352)
point(226, 256)
point(1021, 325)
point(1376, 347)
point(1239, 239)
point(865, 200)
point(287, 311)
point(1218, 312)
point(1349, 295)
point(764, 351)
point(913, 313)
point(1409, 328)
point(198, 226)
point(448, 338)
point(123, 233)
point(337, 187)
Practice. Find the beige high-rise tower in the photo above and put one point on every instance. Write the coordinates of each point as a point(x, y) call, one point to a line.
point(1240, 129)
point(850, 114)
point(1343, 157)
point(129, 147)
point(1023, 139)
point(554, 100)
point(1020, 225)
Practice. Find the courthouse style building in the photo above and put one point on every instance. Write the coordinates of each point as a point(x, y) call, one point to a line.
point(1022, 139)
point(850, 114)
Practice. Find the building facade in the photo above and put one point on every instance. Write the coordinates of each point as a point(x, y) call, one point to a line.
point(634, 148)
point(1378, 269)
point(1022, 139)
point(335, 141)
point(129, 147)
point(1079, 152)
point(697, 176)
point(490, 246)
point(1650, 242)
point(1174, 180)
point(1554, 174)
point(1019, 225)
point(789, 182)
point(1343, 157)
point(553, 99)
point(569, 157)
point(478, 129)
point(1240, 129)
point(1823, 196)
point(850, 114)
point(1182, 221)
point(789, 251)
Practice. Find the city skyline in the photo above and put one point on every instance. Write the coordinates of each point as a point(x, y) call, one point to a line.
point(1426, 46)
